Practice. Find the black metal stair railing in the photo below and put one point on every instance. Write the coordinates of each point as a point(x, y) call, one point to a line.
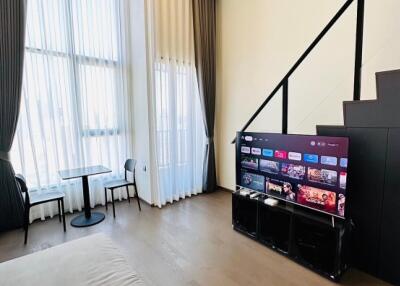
point(284, 83)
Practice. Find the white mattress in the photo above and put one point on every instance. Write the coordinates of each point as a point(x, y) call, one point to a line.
point(92, 260)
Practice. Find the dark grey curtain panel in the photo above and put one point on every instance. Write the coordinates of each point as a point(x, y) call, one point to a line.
point(204, 43)
point(12, 35)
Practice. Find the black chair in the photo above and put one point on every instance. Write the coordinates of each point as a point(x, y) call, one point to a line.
point(112, 185)
point(33, 199)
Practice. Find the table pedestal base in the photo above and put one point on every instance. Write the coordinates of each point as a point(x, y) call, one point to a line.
point(82, 221)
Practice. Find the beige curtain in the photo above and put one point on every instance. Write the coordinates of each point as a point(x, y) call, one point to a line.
point(173, 30)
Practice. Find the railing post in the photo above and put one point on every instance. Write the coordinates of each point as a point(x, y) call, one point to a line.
point(285, 97)
point(359, 49)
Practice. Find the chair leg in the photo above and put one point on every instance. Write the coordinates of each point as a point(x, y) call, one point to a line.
point(105, 196)
point(63, 214)
point(26, 235)
point(59, 210)
point(26, 224)
point(127, 193)
point(112, 197)
point(137, 197)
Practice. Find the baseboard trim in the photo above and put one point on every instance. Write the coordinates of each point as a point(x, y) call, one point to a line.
point(224, 189)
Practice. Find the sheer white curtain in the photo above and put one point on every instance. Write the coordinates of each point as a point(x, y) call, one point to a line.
point(178, 131)
point(74, 103)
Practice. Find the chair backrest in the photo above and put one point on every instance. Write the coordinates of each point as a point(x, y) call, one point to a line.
point(23, 188)
point(130, 167)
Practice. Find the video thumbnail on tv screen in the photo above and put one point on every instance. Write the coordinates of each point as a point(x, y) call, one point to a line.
point(268, 166)
point(249, 162)
point(280, 188)
point(306, 170)
point(253, 181)
point(328, 177)
point(293, 171)
point(316, 198)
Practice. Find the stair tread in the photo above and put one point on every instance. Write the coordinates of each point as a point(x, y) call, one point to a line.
point(380, 112)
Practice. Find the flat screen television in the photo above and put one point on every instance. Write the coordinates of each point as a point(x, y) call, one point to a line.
point(310, 171)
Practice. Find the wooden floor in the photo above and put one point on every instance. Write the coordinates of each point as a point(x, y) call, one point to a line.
point(188, 243)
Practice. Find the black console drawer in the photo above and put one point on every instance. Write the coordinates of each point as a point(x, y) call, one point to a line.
point(244, 214)
point(315, 244)
point(274, 227)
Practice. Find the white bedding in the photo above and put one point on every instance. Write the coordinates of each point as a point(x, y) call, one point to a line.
point(92, 260)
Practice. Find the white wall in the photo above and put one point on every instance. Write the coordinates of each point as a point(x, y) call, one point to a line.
point(259, 40)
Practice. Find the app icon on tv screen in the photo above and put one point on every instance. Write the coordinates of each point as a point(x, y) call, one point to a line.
point(268, 153)
point(311, 158)
point(310, 171)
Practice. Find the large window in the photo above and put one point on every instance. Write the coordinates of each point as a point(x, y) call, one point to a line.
point(74, 101)
point(82, 38)
point(178, 115)
point(180, 135)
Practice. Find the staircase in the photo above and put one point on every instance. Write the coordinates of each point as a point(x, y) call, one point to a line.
point(382, 112)
point(373, 127)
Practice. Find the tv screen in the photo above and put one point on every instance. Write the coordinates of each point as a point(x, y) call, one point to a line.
point(306, 170)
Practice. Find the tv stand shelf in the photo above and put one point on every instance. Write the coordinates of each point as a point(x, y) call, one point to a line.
point(307, 237)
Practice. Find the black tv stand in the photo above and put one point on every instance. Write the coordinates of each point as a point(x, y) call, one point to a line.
point(307, 237)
